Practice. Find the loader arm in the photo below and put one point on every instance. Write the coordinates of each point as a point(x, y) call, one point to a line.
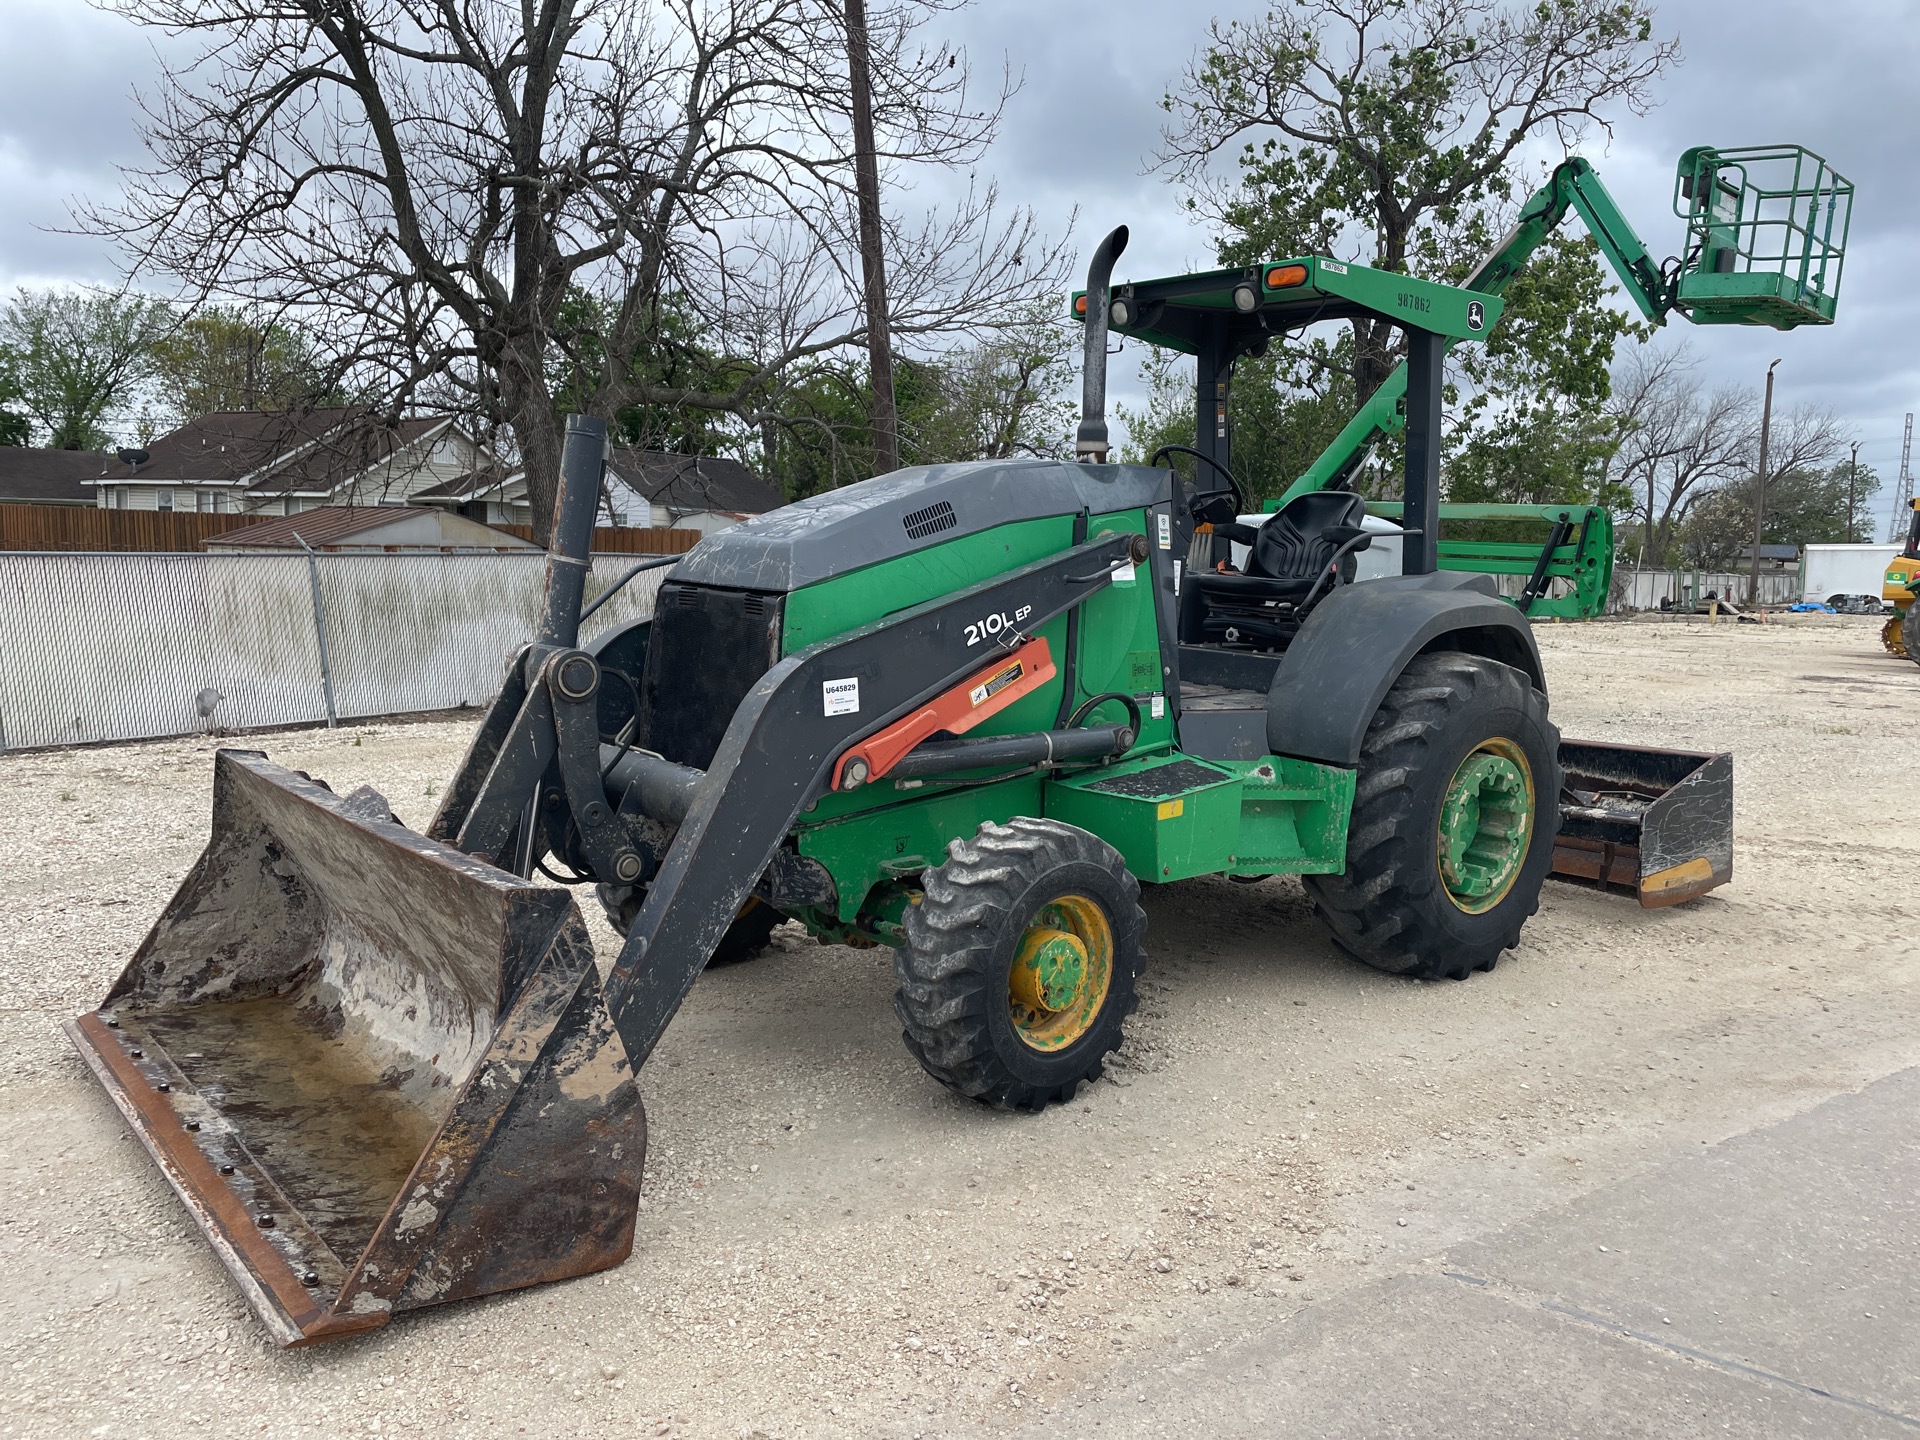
point(779, 751)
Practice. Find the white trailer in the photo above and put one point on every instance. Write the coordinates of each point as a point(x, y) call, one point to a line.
point(1844, 569)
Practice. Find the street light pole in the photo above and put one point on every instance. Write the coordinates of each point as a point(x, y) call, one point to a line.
point(1760, 491)
point(1853, 471)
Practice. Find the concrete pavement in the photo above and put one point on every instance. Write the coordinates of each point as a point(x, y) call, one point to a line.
point(1767, 1287)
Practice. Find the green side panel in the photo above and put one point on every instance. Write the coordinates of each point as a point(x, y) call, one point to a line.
point(833, 607)
point(1293, 817)
point(1169, 817)
point(1119, 640)
point(1118, 637)
point(862, 850)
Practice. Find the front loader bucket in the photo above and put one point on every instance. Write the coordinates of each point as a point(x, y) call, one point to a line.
point(379, 1072)
point(1656, 822)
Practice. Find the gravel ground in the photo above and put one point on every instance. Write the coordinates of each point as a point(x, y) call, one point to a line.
point(832, 1244)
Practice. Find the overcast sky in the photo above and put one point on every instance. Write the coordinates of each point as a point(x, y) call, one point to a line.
point(1836, 77)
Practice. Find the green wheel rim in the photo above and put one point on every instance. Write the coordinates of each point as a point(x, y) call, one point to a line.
point(1486, 825)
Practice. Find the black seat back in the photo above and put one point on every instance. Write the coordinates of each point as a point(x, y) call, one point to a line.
point(1294, 544)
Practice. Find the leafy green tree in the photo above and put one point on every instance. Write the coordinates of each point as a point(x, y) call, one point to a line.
point(1806, 505)
point(224, 358)
point(15, 427)
point(1280, 421)
point(1393, 132)
point(78, 357)
point(1001, 397)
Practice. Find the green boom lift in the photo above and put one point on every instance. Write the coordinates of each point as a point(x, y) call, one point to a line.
point(960, 712)
point(1766, 241)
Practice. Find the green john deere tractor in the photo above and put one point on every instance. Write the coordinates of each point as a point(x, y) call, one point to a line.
point(961, 712)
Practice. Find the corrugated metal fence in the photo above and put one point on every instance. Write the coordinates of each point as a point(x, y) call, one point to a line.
point(125, 647)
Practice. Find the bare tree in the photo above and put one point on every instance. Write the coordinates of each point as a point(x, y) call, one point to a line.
point(428, 184)
point(1684, 446)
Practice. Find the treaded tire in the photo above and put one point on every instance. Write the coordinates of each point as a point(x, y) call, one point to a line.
point(1910, 632)
point(962, 938)
point(750, 933)
point(1391, 909)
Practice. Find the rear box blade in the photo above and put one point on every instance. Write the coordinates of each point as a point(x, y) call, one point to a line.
point(379, 1073)
point(1656, 822)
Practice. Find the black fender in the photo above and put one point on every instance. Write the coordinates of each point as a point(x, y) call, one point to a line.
point(1359, 638)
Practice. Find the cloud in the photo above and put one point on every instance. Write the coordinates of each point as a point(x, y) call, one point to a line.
point(1081, 132)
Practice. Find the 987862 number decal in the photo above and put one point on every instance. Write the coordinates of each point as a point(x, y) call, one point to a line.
point(997, 623)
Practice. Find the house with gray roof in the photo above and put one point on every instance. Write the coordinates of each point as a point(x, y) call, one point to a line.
point(32, 476)
point(286, 462)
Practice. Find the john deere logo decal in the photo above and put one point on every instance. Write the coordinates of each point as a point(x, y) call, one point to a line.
point(1476, 315)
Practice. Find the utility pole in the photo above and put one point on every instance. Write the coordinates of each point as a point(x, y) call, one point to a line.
point(873, 264)
point(1760, 491)
point(1853, 472)
point(1903, 488)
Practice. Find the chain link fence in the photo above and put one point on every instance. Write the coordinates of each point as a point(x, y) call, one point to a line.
point(136, 646)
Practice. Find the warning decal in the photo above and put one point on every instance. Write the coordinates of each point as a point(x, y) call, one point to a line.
point(993, 685)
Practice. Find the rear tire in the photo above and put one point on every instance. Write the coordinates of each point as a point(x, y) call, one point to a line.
point(1910, 632)
point(750, 933)
point(1440, 875)
point(1019, 965)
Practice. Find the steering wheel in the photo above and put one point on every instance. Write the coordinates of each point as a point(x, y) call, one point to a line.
point(1233, 485)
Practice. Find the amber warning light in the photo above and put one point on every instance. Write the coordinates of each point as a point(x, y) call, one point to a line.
point(1282, 277)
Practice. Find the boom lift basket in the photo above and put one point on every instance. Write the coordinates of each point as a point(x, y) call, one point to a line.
point(1766, 235)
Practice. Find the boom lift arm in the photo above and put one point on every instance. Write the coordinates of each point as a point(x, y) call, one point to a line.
point(1731, 219)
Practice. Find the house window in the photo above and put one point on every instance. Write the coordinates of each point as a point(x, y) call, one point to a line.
point(163, 499)
point(203, 502)
point(119, 497)
point(289, 506)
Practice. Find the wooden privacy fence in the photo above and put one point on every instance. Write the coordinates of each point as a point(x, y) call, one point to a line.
point(75, 527)
point(625, 539)
point(78, 527)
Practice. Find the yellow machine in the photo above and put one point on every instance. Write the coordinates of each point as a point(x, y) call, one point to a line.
point(1900, 589)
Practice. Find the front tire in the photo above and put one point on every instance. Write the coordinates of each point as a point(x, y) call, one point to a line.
point(1893, 636)
point(1020, 960)
point(1454, 814)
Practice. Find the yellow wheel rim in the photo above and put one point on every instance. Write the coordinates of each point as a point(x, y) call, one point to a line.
point(1062, 970)
point(1890, 635)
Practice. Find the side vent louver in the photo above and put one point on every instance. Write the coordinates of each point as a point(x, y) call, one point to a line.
point(754, 605)
point(930, 521)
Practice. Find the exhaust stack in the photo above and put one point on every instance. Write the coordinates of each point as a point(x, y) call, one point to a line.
point(1090, 443)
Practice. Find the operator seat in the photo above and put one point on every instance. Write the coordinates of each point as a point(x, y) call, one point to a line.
point(1287, 555)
